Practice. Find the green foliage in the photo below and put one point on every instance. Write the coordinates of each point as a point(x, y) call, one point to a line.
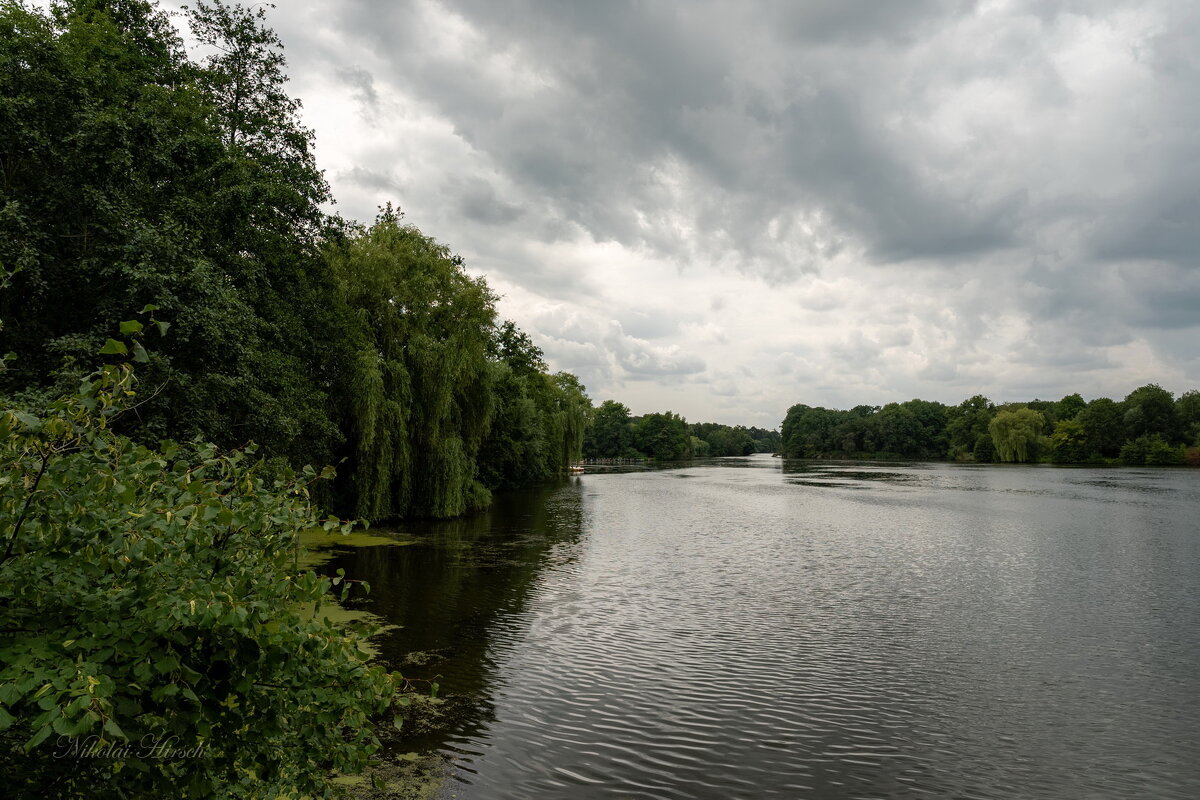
point(1103, 423)
point(1187, 411)
point(148, 598)
point(984, 450)
point(573, 411)
point(611, 433)
point(965, 424)
point(1069, 442)
point(724, 440)
point(662, 436)
point(1067, 431)
point(1150, 410)
point(1069, 407)
point(914, 429)
point(1153, 450)
point(421, 398)
point(133, 175)
point(1015, 434)
point(538, 425)
point(806, 431)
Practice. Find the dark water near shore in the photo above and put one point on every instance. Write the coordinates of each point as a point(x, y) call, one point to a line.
point(758, 629)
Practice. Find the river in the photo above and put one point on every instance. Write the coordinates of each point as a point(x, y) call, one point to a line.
point(751, 628)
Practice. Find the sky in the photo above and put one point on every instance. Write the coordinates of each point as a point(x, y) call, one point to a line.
point(726, 208)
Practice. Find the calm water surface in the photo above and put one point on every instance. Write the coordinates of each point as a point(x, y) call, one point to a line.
point(756, 628)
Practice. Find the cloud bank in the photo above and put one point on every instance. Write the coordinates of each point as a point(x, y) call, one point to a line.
point(725, 208)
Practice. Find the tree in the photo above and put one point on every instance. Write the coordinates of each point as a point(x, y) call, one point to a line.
point(572, 411)
point(611, 433)
point(1187, 411)
point(900, 430)
point(1102, 420)
point(122, 187)
point(965, 423)
point(1150, 410)
point(1070, 406)
point(421, 394)
point(662, 436)
point(807, 431)
point(515, 451)
point(1152, 449)
point(1069, 442)
point(723, 440)
point(1015, 433)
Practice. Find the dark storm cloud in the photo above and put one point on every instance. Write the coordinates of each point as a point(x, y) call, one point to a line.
point(478, 201)
point(765, 113)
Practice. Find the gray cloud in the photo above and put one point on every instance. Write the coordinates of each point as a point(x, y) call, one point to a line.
point(478, 201)
point(363, 85)
point(372, 179)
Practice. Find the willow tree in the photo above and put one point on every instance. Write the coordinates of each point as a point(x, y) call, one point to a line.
point(573, 413)
point(1015, 433)
point(540, 419)
point(421, 380)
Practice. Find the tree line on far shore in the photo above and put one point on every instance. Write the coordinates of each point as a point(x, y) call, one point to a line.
point(667, 436)
point(1149, 426)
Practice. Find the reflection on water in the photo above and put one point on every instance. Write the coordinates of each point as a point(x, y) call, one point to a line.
point(768, 629)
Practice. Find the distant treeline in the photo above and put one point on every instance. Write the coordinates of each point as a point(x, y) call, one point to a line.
point(667, 436)
point(1150, 426)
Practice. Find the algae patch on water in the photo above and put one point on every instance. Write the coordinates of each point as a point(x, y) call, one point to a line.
point(317, 547)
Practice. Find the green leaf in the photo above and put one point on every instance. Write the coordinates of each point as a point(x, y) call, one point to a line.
point(28, 420)
point(130, 326)
point(398, 721)
point(111, 726)
point(146, 309)
point(113, 347)
point(139, 353)
point(39, 737)
point(6, 719)
point(162, 327)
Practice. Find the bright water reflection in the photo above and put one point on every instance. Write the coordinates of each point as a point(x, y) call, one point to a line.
point(746, 628)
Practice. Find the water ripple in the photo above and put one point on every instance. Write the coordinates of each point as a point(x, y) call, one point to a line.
point(861, 631)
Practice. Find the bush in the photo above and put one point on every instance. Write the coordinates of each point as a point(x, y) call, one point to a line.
point(985, 450)
point(1152, 449)
point(156, 638)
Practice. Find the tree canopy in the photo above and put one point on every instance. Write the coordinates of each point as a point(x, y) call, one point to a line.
point(1148, 426)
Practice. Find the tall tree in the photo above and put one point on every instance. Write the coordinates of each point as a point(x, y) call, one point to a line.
point(121, 187)
point(966, 422)
point(611, 432)
point(663, 436)
point(1015, 433)
point(422, 382)
point(1150, 410)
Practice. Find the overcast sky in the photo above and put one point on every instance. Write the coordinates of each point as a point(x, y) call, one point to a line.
point(725, 208)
